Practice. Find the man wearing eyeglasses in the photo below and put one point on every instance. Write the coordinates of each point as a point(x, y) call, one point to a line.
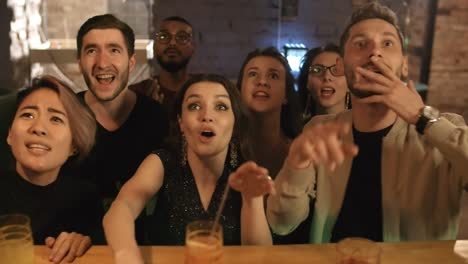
point(173, 48)
point(390, 169)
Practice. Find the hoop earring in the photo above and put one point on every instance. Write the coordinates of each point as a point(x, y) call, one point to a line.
point(183, 152)
point(306, 114)
point(233, 154)
point(347, 100)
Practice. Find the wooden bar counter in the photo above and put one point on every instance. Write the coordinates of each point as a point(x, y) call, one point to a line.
point(427, 252)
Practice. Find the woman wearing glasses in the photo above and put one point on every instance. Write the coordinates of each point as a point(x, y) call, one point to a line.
point(322, 88)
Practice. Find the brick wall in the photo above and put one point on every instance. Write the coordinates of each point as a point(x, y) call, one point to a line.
point(417, 33)
point(62, 19)
point(448, 84)
point(134, 13)
point(225, 31)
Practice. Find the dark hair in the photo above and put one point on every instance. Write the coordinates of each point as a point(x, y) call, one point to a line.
point(242, 124)
point(106, 21)
point(81, 120)
point(290, 122)
point(304, 99)
point(370, 11)
point(178, 19)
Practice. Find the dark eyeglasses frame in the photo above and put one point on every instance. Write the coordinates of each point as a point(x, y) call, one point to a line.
point(324, 68)
point(175, 36)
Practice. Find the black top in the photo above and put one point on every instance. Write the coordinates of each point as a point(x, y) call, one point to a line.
point(361, 211)
point(178, 203)
point(117, 154)
point(168, 95)
point(67, 204)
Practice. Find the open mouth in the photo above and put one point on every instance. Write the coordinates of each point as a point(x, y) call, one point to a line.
point(207, 134)
point(327, 91)
point(261, 94)
point(105, 78)
point(37, 146)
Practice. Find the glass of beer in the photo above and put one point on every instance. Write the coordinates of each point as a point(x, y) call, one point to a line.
point(355, 250)
point(203, 243)
point(16, 242)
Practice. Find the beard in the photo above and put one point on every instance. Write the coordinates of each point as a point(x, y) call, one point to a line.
point(172, 66)
point(123, 83)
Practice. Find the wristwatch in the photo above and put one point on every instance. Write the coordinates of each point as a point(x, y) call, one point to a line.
point(428, 115)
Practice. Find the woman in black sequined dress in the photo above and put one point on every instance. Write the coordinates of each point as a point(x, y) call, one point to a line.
point(189, 180)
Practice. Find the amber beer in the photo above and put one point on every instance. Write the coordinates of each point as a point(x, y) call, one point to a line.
point(16, 243)
point(202, 245)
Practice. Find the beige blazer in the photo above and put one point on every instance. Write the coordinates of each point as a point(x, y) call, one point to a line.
point(423, 177)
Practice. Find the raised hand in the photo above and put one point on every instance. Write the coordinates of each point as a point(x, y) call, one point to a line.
point(321, 143)
point(67, 246)
point(389, 90)
point(251, 180)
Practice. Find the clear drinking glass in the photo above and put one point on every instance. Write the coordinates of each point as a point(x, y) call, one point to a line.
point(355, 250)
point(203, 244)
point(16, 242)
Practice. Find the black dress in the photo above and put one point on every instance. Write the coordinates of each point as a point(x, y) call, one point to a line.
point(178, 203)
point(67, 204)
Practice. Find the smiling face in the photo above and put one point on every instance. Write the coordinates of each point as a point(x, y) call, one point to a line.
point(373, 37)
point(328, 90)
point(263, 86)
point(40, 136)
point(173, 56)
point(207, 119)
point(105, 63)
